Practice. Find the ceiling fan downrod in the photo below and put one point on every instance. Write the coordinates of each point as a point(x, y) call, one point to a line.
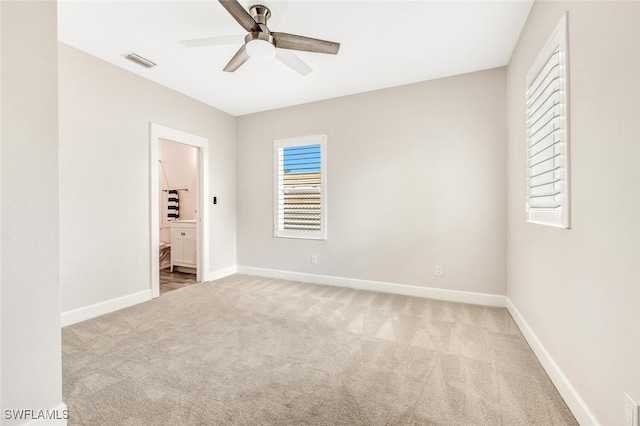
point(260, 14)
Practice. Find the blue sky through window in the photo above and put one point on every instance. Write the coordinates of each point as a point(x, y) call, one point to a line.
point(302, 159)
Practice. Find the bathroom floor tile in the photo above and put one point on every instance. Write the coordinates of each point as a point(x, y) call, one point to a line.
point(174, 280)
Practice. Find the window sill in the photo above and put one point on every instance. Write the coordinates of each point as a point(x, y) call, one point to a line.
point(302, 237)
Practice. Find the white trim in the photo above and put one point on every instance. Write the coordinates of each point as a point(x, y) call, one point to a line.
point(221, 273)
point(101, 308)
point(92, 311)
point(576, 404)
point(60, 408)
point(384, 287)
point(157, 132)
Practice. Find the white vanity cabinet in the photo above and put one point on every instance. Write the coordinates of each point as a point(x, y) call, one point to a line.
point(184, 243)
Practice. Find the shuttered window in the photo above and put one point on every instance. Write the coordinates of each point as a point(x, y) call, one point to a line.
point(548, 134)
point(300, 188)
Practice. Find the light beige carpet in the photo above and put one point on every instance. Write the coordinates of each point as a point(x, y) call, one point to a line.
point(255, 351)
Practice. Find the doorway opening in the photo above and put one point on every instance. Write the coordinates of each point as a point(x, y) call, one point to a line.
point(179, 246)
point(178, 180)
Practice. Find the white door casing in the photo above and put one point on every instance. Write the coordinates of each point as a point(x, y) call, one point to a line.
point(158, 132)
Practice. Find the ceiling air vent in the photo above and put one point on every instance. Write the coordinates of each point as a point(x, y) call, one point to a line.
point(134, 57)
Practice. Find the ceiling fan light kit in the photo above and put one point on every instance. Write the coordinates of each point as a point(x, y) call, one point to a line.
point(262, 44)
point(260, 48)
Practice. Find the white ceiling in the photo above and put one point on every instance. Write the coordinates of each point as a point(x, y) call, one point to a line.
point(383, 44)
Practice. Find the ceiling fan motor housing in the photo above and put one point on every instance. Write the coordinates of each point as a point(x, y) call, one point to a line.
point(260, 14)
point(265, 36)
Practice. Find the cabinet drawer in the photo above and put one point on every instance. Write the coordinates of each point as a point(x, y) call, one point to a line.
point(187, 233)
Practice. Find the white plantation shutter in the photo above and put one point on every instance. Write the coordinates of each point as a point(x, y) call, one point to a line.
point(548, 134)
point(300, 188)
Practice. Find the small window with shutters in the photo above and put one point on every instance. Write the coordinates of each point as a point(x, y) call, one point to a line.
point(548, 133)
point(300, 188)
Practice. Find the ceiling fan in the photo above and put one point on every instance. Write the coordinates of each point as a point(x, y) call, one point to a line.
point(261, 43)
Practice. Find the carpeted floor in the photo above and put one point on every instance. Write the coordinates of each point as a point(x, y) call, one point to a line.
point(255, 351)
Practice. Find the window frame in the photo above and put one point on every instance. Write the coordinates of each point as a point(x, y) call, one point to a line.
point(556, 217)
point(278, 145)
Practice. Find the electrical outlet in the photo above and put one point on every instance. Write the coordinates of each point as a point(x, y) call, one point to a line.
point(314, 259)
point(630, 411)
point(439, 271)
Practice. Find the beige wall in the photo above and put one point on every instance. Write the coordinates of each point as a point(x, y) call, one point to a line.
point(415, 178)
point(30, 323)
point(579, 289)
point(104, 176)
point(1, 202)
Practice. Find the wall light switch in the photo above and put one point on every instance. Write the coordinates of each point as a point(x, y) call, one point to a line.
point(215, 200)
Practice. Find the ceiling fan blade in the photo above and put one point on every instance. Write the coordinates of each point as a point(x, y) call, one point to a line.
point(241, 15)
point(238, 59)
point(296, 42)
point(213, 41)
point(292, 60)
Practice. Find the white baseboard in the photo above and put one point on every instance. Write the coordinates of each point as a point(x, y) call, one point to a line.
point(384, 287)
point(101, 308)
point(576, 404)
point(220, 273)
point(59, 415)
